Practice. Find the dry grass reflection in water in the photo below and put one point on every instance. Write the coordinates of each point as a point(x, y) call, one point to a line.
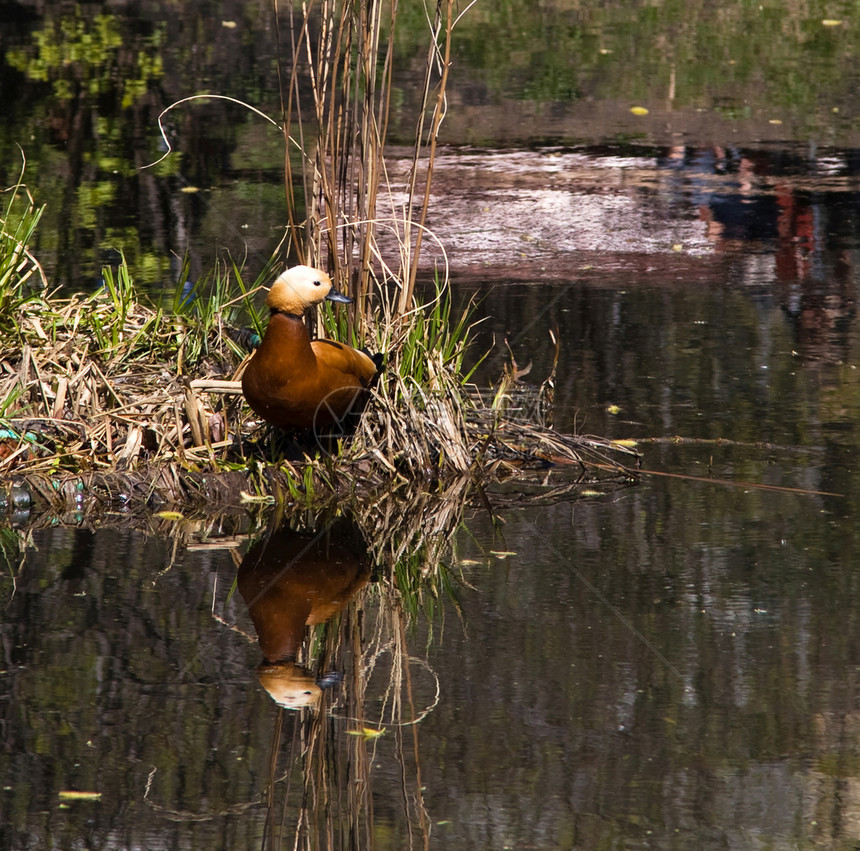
point(334, 598)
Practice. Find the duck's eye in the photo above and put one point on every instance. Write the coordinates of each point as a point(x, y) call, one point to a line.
point(317, 283)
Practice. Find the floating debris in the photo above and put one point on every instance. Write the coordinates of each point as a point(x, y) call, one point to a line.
point(72, 795)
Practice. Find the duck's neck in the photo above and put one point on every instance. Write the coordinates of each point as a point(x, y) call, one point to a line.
point(286, 338)
point(275, 311)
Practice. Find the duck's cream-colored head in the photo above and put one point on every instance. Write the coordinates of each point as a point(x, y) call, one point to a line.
point(301, 287)
point(290, 685)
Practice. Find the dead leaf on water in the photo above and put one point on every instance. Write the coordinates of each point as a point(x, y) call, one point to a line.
point(72, 795)
point(367, 733)
point(831, 22)
point(638, 110)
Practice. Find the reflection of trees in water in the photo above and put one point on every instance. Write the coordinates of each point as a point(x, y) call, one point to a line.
point(82, 90)
point(87, 90)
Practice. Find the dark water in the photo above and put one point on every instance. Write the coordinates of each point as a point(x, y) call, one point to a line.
point(672, 665)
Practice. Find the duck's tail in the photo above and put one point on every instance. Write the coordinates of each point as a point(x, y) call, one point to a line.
point(244, 337)
point(379, 361)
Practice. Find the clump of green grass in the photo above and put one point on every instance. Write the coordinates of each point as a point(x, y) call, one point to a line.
point(418, 421)
point(22, 278)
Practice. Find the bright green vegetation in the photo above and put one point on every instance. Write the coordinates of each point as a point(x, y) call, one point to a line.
point(20, 273)
point(75, 53)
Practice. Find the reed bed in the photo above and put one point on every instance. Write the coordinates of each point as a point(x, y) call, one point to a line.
point(118, 415)
point(127, 400)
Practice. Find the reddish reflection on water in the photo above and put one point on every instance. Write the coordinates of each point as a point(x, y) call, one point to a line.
point(289, 581)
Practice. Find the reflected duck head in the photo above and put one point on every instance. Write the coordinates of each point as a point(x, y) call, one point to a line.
point(289, 685)
point(300, 288)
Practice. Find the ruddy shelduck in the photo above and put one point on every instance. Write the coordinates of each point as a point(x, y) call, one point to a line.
point(293, 382)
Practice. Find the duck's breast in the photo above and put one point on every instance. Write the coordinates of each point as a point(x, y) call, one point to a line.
point(293, 383)
point(280, 376)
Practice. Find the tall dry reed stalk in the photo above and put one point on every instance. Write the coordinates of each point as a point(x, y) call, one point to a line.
point(336, 100)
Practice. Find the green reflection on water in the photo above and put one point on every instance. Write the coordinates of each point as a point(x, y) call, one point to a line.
point(74, 52)
point(765, 54)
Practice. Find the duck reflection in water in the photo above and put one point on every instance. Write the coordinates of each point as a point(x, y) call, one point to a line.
point(291, 580)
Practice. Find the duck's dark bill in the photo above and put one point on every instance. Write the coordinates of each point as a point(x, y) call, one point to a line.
point(334, 295)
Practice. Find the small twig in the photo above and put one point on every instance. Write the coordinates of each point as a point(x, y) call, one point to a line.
point(199, 97)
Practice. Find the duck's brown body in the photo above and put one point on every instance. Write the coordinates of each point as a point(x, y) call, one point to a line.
point(292, 382)
point(291, 580)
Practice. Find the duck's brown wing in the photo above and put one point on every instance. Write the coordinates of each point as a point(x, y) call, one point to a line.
point(346, 360)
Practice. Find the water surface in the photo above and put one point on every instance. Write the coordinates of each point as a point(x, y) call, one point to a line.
point(669, 665)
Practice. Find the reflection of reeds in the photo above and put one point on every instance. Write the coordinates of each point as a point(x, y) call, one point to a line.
point(367, 726)
point(369, 730)
point(343, 747)
point(333, 760)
